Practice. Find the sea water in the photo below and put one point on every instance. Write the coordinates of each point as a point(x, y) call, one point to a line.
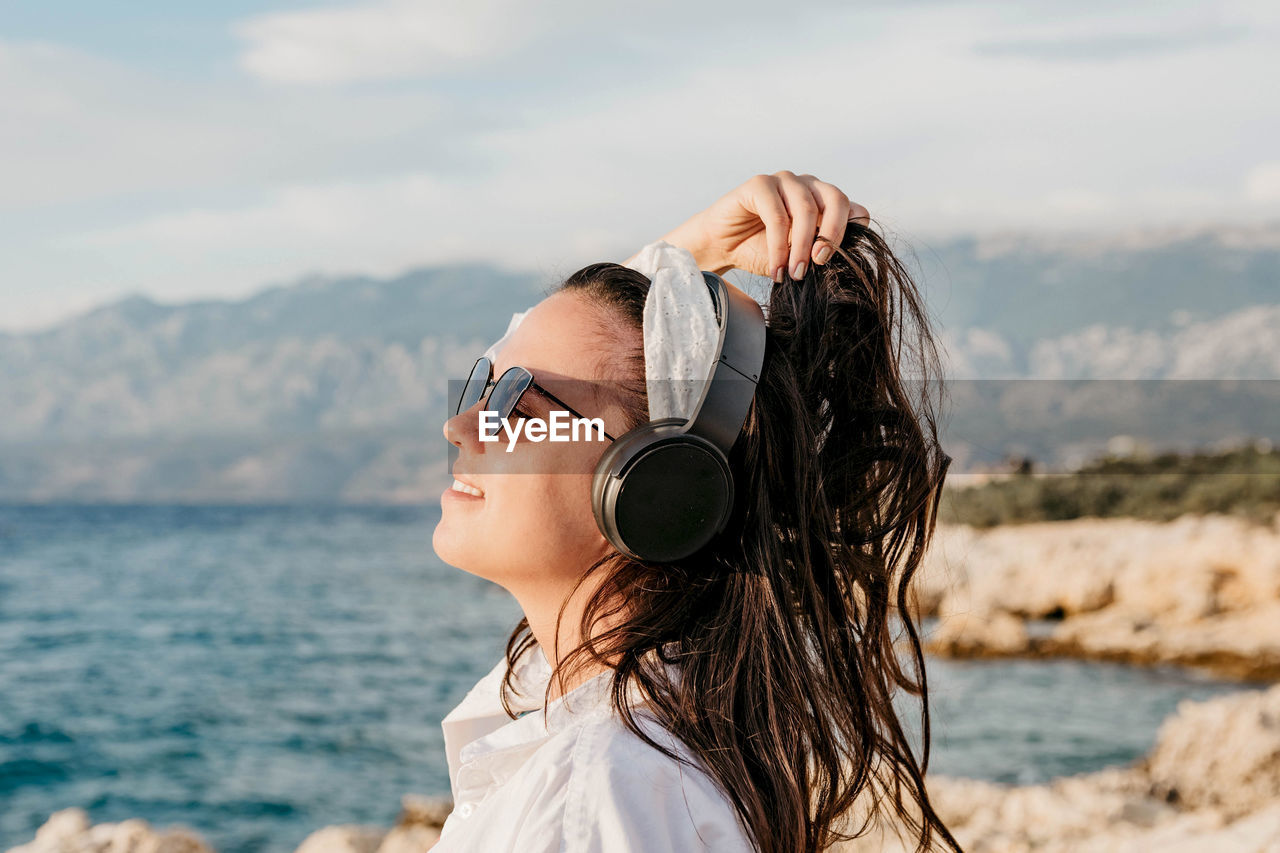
point(259, 672)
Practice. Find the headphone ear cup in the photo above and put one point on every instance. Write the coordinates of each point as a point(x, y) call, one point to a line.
point(660, 494)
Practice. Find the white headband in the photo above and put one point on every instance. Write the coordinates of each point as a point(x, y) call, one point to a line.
point(679, 327)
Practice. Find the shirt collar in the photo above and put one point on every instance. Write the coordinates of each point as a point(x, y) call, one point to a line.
point(481, 713)
point(482, 739)
point(484, 745)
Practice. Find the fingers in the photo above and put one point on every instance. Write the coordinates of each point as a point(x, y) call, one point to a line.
point(836, 210)
point(764, 199)
point(803, 207)
point(804, 219)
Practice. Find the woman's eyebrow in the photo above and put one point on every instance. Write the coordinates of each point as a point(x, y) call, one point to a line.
point(537, 392)
point(547, 401)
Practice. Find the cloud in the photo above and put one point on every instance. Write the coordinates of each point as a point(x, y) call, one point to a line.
point(80, 129)
point(400, 39)
point(1263, 183)
point(553, 142)
point(1110, 46)
point(936, 146)
point(412, 39)
point(377, 227)
point(378, 41)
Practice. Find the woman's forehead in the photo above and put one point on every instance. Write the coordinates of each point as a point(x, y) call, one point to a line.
point(563, 336)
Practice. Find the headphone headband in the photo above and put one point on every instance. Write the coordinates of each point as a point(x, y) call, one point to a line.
point(727, 394)
point(663, 490)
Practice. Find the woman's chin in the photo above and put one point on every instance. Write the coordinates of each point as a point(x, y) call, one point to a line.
point(458, 546)
point(444, 541)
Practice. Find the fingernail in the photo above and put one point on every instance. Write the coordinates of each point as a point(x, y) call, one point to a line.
point(824, 255)
point(797, 272)
point(777, 274)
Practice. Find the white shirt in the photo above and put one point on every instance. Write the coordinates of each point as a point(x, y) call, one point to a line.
point(580, 783)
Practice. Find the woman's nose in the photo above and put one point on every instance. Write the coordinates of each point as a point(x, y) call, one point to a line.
point(454, 429)
point(464, 428)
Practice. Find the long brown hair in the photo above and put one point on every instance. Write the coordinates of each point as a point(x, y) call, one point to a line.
point(788, 630)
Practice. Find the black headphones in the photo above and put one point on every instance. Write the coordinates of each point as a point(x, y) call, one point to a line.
point(663, 490)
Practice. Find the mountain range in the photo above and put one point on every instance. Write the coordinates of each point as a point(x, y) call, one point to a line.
point(333, 389)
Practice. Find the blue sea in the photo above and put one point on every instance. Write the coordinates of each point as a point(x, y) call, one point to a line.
point(259, 672)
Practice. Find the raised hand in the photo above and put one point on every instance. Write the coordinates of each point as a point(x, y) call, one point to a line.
point(769, 225)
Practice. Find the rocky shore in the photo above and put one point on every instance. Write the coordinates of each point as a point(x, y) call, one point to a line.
point(1199, 591)
point(416, 830)
point(1212, 782)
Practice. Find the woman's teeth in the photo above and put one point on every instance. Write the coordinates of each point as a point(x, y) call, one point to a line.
point(465, 489)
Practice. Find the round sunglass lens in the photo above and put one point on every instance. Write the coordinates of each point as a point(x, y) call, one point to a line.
point(508, 390)
point(474, 386)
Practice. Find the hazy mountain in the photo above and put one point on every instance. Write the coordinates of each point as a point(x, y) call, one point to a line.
point(350, 353)
point(1028, 289)
point(1242, 344)
point(333, 388)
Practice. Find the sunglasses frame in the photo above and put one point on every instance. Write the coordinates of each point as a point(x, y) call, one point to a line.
point(525, 374)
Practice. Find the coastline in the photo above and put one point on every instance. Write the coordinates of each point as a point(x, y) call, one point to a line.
point(1211, 782)
point(1199, 591)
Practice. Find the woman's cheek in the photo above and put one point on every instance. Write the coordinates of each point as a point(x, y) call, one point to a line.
point(545, 496)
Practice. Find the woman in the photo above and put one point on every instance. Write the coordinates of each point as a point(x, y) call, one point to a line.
point(741, 698)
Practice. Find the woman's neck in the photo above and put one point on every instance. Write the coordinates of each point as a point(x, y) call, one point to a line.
point(542, 610)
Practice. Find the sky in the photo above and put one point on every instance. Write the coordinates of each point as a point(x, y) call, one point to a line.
point(186, 151)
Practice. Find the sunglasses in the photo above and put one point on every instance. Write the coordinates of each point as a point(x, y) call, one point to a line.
point(504, 395)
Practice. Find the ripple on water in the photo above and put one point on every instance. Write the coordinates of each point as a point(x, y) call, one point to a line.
point(259, 672)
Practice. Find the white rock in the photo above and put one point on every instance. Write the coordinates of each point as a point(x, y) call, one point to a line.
point(346, 838)
point(1222, 754)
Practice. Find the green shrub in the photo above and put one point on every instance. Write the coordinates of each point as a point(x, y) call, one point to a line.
point(1244, 482)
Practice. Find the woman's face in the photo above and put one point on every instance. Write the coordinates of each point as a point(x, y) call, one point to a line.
point(534, 521)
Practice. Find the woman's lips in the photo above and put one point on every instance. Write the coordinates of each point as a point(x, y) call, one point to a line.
point(462, 488)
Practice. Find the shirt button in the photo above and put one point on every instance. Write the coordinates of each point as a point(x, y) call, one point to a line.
point(466, 809)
